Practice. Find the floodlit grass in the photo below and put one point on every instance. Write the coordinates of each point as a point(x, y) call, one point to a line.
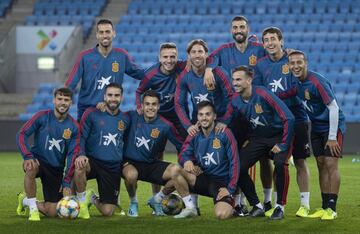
point(348, 221)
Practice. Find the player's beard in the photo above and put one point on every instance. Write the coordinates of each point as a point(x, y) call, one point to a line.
point(243, 38)
point(208, 126)
point(62, 112)
point(112, 107)
point(106, 45)
point(199, 64)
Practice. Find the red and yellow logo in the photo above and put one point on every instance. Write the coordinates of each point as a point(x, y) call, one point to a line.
point(285, 69)
point(258, 109)
point(252, 60)
point(155, 133)
point(67, 134)
point(121, 125)
point(115, 67)
point(216, 144)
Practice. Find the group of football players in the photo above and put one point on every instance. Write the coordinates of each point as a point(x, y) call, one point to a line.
point(245, 102)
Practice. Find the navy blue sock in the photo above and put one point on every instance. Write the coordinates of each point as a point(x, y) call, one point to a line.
point(332, 201)
point(325, 200)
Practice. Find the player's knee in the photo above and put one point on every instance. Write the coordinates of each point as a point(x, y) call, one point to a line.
point(49, 209)
point(300, 164)
point(107, 211)
point(31, 172)
point(175, 171)
point(130, 175)
point(222, 214)
point(51, 213)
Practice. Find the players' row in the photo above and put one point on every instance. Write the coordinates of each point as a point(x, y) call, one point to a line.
point(260, 75)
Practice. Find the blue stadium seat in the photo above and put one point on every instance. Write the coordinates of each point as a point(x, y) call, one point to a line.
point(25, 116)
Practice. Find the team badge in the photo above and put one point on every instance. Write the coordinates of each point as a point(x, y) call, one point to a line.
point(252, 60)
point(115, 67)
point(210, 87)
point(121, 125)
point(307, 94)
point(258, 109)
point(216, 144)
point(155, 133)
point(285, 69)
point(67, 134)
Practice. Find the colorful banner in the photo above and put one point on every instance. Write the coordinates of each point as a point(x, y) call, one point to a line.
point(42, 39)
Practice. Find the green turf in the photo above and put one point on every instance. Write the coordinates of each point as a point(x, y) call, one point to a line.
point(348, 205)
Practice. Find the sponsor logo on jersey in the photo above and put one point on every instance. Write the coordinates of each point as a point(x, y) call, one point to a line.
point(216, 144)
point(276, 84)
point(67, 134)
point(209, 159)
point(155, 133)
point(252, 60)
point(201, 97)
point(142, 142)
point(110, 138)
point(103, 82)
point(115, 67)
point(55, 143)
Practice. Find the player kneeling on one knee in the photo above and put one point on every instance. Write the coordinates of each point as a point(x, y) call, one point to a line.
point(211, 162)
point(56, 140)
point(146, 137)
point(102, 141)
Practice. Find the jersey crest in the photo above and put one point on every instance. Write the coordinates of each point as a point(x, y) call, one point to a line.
point(285, 69)
point(252, 60)
point(155, 133)
point(121, 125)
point(67, 134)
point(258, 109)
point(216, 144)
point(115, 67)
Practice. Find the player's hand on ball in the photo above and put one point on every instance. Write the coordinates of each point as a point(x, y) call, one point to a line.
point(81, 162)
point(223, 192)
point(66, 191)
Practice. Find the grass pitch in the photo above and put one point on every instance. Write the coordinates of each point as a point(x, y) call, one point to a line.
point(11, 182)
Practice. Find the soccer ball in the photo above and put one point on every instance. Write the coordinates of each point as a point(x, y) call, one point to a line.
point(68, 207)
point(172, 204)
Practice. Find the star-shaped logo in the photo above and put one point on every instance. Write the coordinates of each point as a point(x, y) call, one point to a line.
point(110, 138)
point(276, 84)
point(256, 121)
point(209, 159)
point(104, 81)
point(53, 142)
point(307, 107)
point(201, 97)
point(142, 142)
point(169, 97)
